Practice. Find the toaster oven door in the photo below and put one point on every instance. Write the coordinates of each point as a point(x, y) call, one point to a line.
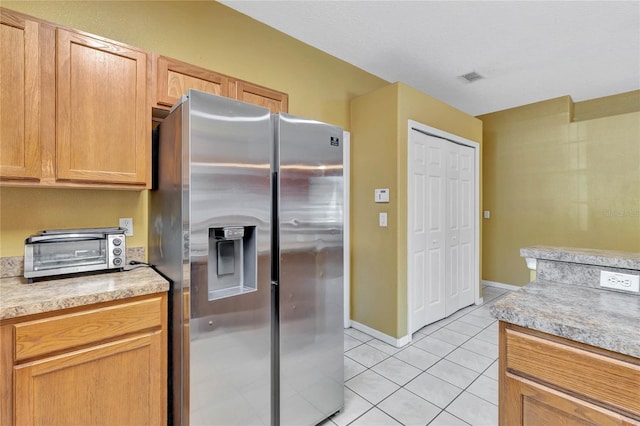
point(66, 255)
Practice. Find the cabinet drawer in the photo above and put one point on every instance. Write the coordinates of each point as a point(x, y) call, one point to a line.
point(38, 337)
point(577, 371)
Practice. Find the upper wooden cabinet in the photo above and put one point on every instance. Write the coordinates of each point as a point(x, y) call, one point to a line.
point(258, 95)
point(75, 108)
point(173, 78)
point(19, 96)
point(102, 117)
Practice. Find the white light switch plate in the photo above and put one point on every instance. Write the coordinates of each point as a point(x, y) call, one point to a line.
point(620, 281)
point(383, 219)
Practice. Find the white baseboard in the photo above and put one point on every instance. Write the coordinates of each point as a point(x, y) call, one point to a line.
point(501, 285)
point(398, 343)
point(480, 302)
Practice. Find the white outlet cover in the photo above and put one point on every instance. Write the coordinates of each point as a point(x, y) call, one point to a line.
point(618, 281)
point(127, 223)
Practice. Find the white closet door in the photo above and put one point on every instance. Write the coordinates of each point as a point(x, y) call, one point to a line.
point(459, 221)
point(466, 237)
point(441, 246)
point(452, 207)
point(427, 155)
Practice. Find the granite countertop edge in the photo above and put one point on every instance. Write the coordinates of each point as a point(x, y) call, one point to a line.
point(18, 299)
point(608, 258)
point(595, 317)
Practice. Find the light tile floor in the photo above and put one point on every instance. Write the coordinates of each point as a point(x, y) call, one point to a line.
point(448, 375)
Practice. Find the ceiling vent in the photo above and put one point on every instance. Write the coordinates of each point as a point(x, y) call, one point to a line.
point(470, 77)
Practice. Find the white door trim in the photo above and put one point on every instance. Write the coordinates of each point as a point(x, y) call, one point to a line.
point(462, 141)
point(346, 158)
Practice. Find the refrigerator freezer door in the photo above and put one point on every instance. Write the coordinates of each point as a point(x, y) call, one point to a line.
point(167, 213)
point(230, 208)
point(311, 271)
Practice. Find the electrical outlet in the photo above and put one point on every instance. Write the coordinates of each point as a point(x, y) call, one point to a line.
point(127, 223)
point(620, 281)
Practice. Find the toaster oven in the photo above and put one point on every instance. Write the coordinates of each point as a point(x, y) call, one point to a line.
point(70, 251)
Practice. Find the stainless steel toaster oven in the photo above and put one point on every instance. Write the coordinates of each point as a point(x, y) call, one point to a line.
point(69, 251)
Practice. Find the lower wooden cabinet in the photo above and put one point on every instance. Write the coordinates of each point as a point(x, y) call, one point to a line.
point(533, 404)
point(102, 365)
point(547, 380)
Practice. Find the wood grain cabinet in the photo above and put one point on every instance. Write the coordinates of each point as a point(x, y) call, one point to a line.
point(173, 78)
point(19, 96)
point(258, 95)
point(103, 117)
point(547, 380)
point(101, 365)
point(75, 108)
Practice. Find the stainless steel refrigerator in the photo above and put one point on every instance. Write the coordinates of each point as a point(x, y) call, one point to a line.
point(246, 221)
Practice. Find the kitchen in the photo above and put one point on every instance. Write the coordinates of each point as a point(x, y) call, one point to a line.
point(328, 99)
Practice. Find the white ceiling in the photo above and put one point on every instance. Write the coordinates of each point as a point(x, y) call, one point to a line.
point(527, 50)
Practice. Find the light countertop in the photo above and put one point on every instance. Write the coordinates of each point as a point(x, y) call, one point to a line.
point(601, 318)
point(595, 257)
point(17, 298)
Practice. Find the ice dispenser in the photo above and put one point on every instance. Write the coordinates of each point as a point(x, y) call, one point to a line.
point(232, 261)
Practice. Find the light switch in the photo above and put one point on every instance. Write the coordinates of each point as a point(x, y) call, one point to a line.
point(487, 214)
point(383, 219)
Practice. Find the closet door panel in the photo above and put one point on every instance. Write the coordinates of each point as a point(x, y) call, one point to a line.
point(442, 258)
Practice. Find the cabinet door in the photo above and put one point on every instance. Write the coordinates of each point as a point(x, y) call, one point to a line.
point(117, 383)
point(531, 404)
point(103, 119)
point(258, 95)
point(174, 78)
point(19, 97)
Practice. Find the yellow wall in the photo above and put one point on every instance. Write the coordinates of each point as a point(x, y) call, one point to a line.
point(374, 293)
point(25, 211)
point(203, 33)
point(621, 103)
point(379, 122)
point(551, 181)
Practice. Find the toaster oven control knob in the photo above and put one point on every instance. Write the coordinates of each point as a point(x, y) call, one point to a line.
point(117, 261)
point(117, 241)
point(117, 251)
